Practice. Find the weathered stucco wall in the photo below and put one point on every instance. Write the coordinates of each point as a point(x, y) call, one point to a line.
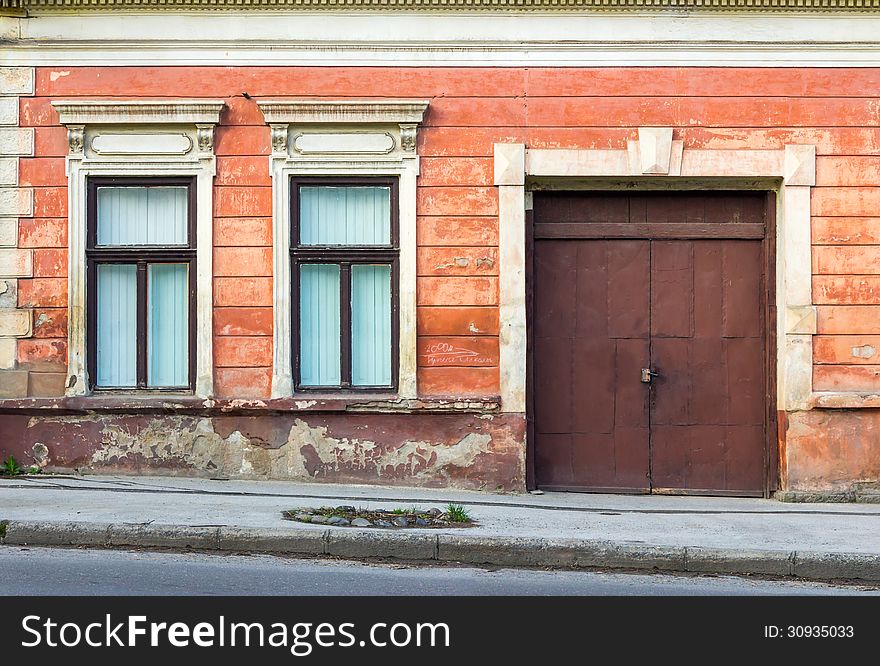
point(833, 451)
point(480, 452)
point(835, 109)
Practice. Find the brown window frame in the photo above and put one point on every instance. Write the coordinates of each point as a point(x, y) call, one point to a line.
point(140, 256)
point(344, 256)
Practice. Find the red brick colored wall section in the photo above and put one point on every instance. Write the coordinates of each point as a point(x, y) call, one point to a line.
point(832, 450)
point(457, 206)
point(242, 253)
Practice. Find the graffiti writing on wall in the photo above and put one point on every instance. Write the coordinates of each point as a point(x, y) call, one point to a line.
point(443, 353)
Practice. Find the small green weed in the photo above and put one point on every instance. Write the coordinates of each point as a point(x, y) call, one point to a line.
point(10, 467)
point(458, 514)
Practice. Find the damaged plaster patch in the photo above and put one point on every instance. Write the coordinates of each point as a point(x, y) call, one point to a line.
point(312, 452)
point(308, 453)
point(865, 351)
point(54, 76)
point(183, 442)
point(305, 404)
point(423, 459)
point(40, 454)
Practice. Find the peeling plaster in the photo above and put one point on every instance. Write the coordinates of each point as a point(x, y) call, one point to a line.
point(309, 452)
point(437, 458)
point(865, 351)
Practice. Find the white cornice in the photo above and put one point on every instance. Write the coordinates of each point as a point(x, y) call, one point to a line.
point(307, 111)
point(497, 6)
point(108, 112)
point(449, 40)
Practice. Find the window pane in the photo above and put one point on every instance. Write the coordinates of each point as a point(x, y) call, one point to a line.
point(319, 325)
point(117, 325)
point(345, 215)
point(142, 215)
point(167, 325)
point(370, 325)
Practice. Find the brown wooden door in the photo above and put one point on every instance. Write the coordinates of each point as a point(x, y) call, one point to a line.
point(692, 310)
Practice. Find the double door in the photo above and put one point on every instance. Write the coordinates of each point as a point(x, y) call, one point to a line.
point(649, 354)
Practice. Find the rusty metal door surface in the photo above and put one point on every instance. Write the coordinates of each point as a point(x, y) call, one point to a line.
point(649, 343)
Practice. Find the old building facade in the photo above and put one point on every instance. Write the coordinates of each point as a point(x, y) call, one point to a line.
point(582, 245)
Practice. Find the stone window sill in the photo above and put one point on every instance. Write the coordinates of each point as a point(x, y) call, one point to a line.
point(188, 404)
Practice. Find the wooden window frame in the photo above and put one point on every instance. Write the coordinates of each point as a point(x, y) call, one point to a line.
point(140, 256)
point(344, 256)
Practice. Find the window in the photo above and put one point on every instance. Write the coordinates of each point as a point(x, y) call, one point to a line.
point(141, 255)
point(344, 267)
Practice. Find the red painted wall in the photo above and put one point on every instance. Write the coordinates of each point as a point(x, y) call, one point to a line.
point(470, 110)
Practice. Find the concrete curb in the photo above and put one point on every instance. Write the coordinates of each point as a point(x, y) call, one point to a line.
point(443, 547)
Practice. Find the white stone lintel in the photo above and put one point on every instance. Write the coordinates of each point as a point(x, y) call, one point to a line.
point(318, 111)
point(139, 111)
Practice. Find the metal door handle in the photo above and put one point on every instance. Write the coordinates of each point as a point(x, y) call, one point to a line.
point(648, 375)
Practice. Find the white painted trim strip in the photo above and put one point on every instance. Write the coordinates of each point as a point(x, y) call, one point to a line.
point(531, 39)
point(605, 55)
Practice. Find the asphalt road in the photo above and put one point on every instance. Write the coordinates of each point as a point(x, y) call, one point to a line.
point(48, 571)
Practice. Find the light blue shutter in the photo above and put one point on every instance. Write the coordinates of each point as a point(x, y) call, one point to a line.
point(332, 215)
point(142, 215)
point(167, 325)
point(319, 325)
point(371, 325)
point(117, 325)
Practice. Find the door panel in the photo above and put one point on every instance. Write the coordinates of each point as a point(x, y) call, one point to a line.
point(708, 403)
point(598, 353)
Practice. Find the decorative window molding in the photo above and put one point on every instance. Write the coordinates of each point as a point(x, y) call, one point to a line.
point(139, 138)
point(791, 171)
point(343, 138)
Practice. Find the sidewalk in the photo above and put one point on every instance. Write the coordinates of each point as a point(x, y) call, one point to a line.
point(556, 530)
